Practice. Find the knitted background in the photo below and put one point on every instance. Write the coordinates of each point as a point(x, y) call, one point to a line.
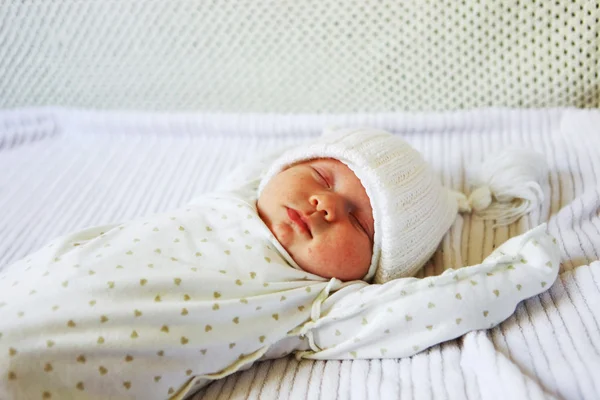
point(299, 56)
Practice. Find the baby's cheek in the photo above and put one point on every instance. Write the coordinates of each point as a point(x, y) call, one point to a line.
point(333, 253)
point(345, 263)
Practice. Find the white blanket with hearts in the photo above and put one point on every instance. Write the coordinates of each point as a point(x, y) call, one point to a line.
point(159, 306)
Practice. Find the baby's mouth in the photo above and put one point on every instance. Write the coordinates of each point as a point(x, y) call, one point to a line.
point(297, 219)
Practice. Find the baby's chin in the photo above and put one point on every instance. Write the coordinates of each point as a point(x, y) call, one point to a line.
point(284, 235)
point(288, 238)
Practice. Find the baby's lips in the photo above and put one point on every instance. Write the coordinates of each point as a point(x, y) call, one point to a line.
point(301, 222)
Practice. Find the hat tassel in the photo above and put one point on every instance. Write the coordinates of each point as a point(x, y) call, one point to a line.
point(507, 186)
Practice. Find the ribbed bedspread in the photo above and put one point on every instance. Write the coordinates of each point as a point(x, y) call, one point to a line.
point(63, 170)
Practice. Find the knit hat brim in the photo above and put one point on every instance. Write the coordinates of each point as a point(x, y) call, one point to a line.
point(411, 209)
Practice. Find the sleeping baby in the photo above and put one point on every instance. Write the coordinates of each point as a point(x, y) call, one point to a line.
point(311, 253)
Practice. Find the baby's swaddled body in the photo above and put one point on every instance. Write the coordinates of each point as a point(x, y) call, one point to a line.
point(158, 307)
point(143, 307)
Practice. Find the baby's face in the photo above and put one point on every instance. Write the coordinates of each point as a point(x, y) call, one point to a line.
point(320, 213)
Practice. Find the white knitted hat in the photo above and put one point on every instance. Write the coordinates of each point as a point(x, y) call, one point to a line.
point(411, 209)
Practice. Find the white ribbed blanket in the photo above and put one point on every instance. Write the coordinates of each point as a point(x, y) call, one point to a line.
point(62, 170)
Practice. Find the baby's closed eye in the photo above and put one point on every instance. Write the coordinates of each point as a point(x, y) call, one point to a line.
point(321, 177)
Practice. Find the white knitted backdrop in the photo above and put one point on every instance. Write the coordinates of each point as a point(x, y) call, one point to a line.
point(299, 55)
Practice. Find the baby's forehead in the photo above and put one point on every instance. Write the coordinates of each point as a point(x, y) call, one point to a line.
point(321, 160)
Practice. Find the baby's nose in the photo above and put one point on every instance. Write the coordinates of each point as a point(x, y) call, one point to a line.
point(328, 203)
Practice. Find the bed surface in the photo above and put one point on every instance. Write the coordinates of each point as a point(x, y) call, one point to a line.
point(64, 169)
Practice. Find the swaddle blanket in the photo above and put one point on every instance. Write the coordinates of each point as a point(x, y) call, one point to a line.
point(158, 307)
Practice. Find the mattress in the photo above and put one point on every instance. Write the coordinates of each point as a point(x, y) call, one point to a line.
point(65, 169)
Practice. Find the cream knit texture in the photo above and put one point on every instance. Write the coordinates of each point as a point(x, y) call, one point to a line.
point(411, 209)
point(299, 56)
